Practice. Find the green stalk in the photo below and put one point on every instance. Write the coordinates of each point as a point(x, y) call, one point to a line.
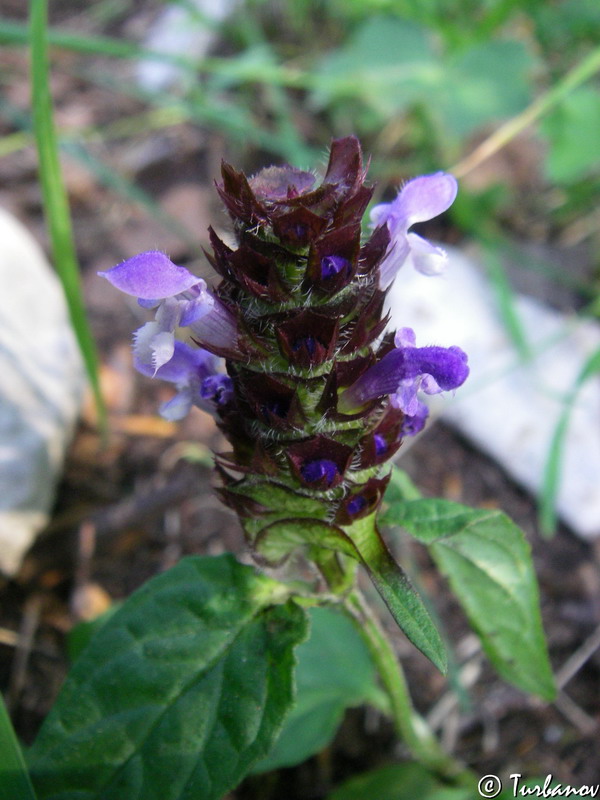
point(410, 726)
point(578, 75)
point(56, 205)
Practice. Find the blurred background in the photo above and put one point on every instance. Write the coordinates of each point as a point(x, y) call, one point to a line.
point(149, 96)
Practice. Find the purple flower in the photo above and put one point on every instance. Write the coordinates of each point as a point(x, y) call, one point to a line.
point(217, 389)
point(419, 200)
point(333, 265)
point(180, 299)
point(381, 445)
point(405, 371)
point(356, 504)
point(194, 373)
point(323, 470)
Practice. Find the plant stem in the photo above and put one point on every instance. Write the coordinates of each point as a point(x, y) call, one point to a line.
point(580, 73)
point(410, 726)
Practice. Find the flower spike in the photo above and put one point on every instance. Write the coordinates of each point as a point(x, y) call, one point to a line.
point(313, 396)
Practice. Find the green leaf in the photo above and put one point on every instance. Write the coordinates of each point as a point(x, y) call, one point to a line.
point(277, 540)
point(399, 782)
point(284, 500)
point(361, 541)
point(14, 778)
point(334, 672)
point(387, 63)
point(571, 131)
point(485, 83)
point(179, 694)
point(396, 590)
point(487, 561)
point(506, 301)
point(400, 488)
point(80, 635)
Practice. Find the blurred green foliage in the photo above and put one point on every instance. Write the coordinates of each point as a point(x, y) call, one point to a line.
point(418, 82)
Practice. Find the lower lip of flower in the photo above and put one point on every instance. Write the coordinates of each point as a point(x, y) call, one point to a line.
point(356, 505)
point(321, 469)
point(333, 265)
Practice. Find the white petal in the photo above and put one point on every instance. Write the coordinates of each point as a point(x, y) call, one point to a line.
point(426, 257)
point(178, 407)
point(379, 214)
point(163, 346)
point(396, 255)
point(142, 343)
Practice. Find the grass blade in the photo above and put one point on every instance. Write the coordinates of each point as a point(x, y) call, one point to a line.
point(505, 299)
point(56, 207)
point(547, 513)
point(14, 777)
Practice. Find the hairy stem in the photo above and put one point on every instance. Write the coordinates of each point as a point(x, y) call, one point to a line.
point(410, 726)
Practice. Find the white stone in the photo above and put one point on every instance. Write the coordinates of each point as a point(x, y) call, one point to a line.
point(179, 31)
point(509, 407)
point(40, 392)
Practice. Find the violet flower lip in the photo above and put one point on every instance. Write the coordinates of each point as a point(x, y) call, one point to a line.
point(404, 371)
point(420, 199)
point(180, 299)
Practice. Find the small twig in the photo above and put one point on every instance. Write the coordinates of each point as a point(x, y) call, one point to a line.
point(8, 637)
point(574, 663)
point(491, 733)
point(446, 705)
point(23, 649)
point(173, 549)
point(580, 73)
point(450, 731)
point(86, 546)
point(86, 541)
point(576, 715)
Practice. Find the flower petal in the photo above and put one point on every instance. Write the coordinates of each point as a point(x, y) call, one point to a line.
point(424, 198)
point(216, 329)
point(142, 347)
point(187, 362)
point(447, 365)
point(193, 310)
point(426, 258)
point(380, 214)
point(163, 345)
point(150, 276)
point(178, 406)
point(405, 397)
point(412, 425)
point(397, 253)
point(168, 314)
point(405, 337)
point(401, 371)
point(217, 389)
